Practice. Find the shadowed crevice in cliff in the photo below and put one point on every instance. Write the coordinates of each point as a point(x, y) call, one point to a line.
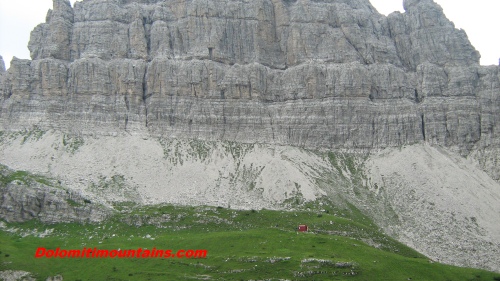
point(423, 125)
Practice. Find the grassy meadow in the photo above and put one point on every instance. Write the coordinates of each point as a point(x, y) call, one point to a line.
point(242, 245)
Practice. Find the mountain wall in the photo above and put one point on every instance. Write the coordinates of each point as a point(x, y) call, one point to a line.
point(317, 74)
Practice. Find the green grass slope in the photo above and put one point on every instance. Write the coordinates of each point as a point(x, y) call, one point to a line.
point(242, 245)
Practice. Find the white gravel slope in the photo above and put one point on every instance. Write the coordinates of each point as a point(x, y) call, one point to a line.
point(178, 172)
point(446, 207)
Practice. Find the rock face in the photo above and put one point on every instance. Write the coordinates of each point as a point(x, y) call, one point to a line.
point(21, 203)
point(319, 74)
point(24, 197)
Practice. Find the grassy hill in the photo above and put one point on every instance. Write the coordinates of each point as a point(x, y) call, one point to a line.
point(342, 244)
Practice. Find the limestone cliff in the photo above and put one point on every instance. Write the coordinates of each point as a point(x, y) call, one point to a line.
point(319, 74)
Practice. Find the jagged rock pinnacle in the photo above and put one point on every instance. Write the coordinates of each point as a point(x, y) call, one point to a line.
point(2, 65)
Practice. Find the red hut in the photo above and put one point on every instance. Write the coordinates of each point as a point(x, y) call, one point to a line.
point(302, 228)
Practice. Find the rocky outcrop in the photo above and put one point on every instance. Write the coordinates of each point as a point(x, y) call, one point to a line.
point(52, 39)
point(423, 34)
point(11, 275)
point(25, 197)
point(2, 66)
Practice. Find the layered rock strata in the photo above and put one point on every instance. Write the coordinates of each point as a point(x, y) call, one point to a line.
point(321, 74)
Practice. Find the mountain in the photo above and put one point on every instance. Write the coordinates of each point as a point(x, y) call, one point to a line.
point(256, 104)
